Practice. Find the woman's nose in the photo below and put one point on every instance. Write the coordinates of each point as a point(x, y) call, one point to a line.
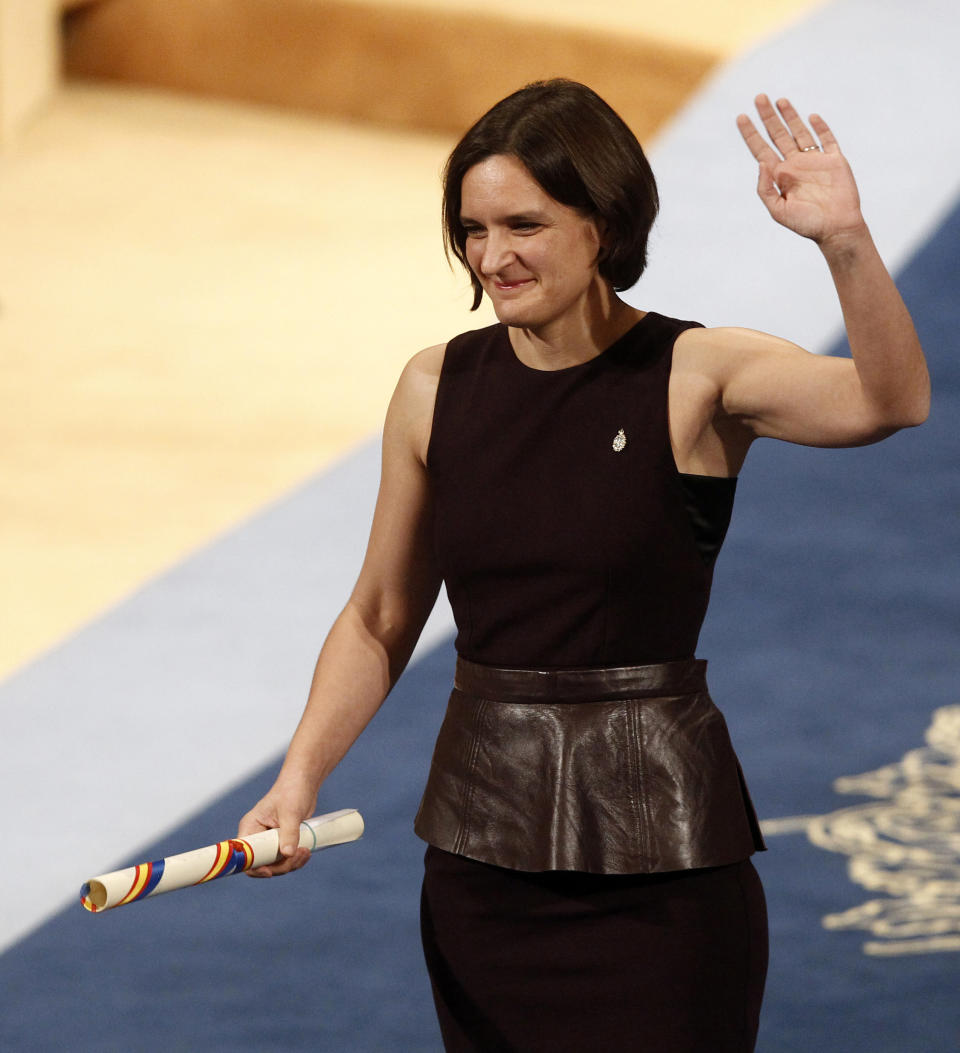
point(497, 253)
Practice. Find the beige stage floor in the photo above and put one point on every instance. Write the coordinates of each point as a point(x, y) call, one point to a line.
point(202, 304)
point(719, 27)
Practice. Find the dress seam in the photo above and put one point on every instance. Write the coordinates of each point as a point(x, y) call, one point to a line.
point(637, 763)
point(463, 832)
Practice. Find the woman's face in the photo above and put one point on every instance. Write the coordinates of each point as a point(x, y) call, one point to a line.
point(535, 258)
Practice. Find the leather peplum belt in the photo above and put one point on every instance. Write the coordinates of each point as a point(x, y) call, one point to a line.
point(611, 770)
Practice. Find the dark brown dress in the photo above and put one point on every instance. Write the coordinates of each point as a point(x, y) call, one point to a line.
point(588, 882)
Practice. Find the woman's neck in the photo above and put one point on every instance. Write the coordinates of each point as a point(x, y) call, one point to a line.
point(572, 340)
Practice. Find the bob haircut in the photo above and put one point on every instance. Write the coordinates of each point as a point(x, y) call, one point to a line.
point(583, 155)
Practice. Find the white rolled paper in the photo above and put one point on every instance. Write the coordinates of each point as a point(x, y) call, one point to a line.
point(233, 856)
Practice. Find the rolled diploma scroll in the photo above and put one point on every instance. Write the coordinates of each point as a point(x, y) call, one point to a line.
point(204, 864)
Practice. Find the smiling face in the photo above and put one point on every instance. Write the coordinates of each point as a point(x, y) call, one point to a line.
point(535, 258)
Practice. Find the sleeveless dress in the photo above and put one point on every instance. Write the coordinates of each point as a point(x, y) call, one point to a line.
point(587, 878)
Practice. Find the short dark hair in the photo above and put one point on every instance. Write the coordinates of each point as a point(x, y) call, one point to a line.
point(581, 152)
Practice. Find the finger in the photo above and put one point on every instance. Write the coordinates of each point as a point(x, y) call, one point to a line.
point(289, 834)
point(800, 132)
point(756, 143)
point(767, 189)
point(779, 133)
point(827, 139)
point(297, 861)
point(259, 872)
point(249, 824)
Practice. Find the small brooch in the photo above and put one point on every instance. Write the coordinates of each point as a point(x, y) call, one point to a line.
point(619, 441)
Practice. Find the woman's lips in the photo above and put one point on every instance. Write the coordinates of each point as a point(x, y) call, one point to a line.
point(507, 286)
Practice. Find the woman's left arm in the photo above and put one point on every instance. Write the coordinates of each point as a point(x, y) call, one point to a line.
point(812, 399)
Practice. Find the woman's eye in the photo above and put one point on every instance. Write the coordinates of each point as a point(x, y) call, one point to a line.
point(526, 228)
point(474, 232)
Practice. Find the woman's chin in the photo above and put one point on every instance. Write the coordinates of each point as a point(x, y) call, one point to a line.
point(520, 316)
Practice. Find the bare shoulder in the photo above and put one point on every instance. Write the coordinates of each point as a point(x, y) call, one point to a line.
point(770, 387)
point(736, 369)
point(429, 361)
point(410, 416)
point(719, 352)
point(709, 435)
point(417, 388)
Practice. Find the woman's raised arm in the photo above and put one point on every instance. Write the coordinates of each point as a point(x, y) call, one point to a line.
point(768, 385)
point(374, 636)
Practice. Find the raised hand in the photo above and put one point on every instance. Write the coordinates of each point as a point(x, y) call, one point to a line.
point(806, 186)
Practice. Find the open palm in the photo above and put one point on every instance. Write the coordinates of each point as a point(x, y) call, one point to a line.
point(806, 186)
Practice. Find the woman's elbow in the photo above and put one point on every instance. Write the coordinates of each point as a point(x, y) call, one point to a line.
point(912, 412)
point(905, 414)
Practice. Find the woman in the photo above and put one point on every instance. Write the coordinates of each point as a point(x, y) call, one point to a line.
point(569, 473)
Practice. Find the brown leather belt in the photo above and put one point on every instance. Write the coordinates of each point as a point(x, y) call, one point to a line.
point(616, 770)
